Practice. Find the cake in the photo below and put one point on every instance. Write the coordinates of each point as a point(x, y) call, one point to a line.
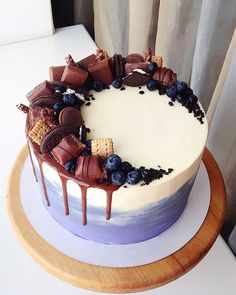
point(115, 145)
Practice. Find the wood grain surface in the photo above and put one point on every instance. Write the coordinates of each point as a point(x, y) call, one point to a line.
point(119, 280)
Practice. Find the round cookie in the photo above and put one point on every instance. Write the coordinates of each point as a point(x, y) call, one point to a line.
point(136, 78)
point(55, 135)
point(71, 116)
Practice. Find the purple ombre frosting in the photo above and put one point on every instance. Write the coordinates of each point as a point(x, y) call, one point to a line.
point(124, 227)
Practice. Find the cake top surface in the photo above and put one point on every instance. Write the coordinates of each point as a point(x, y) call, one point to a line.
point(144, 128)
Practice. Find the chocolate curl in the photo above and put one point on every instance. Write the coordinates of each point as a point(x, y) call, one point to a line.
point(148, 54)
point(69, 60)
point(22, 108)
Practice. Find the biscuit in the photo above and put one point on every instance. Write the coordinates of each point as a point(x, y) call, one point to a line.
point(102, 147)
point(38, 131)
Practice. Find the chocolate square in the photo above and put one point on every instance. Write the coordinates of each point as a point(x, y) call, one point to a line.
point(74, 76)
point(68, 148)
point(43, 88)
point(89, 167)
point(101, 71)
point(55, 73)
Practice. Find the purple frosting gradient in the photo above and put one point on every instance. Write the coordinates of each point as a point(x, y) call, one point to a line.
point(123, 227)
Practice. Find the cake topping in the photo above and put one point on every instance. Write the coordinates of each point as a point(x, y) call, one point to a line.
point(101, 71)
point(69, 147)
point(70, 116)
point(164, 77)
point(55, 73)
point(44, 101)
point(148, 54)
point(89, 167)
point(69, 60)
point(43, 88)
point(136, 78)
point(102, 147)
point(38, 131)
point(74, 76)
point(55, 135)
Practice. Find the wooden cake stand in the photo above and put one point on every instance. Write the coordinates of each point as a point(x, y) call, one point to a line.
point(119, 280)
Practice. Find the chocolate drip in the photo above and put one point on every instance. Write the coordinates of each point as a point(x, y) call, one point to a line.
point(109, 201)
point(84, 203)
point(64, 191)
point(32, 163)
point(43, 181)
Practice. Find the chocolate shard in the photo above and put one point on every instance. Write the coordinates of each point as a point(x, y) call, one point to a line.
point(101, 71)
point(164, 77)
point(89, 167)
point(148, 54)
point(55, 73)
point(43, 88)
point(117, 65)
point(136, 78)
point(129, 67)
point(74, 76)
point(68, 148)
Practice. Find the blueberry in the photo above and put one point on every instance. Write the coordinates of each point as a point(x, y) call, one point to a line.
point(180, 98)
point(70, 166)
point(97, 85)
point(126, 167)
point(189, 91)
point(171, 91)
point(117, 83)
point(112, 163)
point(118, 178)
point(69, 99)
point(59, 95)
point(58, 106)
point(133, 177)
point(152, 68)
point(181, 86)
point(192, 99)
point(60, 88)
point(152, 85)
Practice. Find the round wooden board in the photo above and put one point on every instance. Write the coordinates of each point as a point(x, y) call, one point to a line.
point(119, 280)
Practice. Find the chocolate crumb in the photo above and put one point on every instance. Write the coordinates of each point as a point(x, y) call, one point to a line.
point(171, 103)
point(125, 186)
point(88, 130)
point(90, 95)
point(93, 98)
point(140, 87)
point(122, 88)
point(88, 103)
point(173, 99)
point(87, 98)
point(141, 92)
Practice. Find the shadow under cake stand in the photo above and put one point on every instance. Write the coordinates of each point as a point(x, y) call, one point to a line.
point(119, 279)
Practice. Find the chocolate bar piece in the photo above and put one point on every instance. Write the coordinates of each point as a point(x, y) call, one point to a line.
point(43, 88)
point(68, 148)
point(164, 77)
point(89, 167)
point(55, 73)
point(101, 71)
point(129, 67)
point(85, 62)
point(74, 76)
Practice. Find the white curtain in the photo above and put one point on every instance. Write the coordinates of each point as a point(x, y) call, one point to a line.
point(197, 40)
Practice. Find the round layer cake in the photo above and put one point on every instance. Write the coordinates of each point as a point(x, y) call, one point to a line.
point(157, 137)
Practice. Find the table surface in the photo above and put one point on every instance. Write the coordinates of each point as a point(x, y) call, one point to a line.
point(215, 274)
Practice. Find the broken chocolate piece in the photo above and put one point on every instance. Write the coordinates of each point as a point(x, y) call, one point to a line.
point(164, 77)
point(55, 73)
point(89, 167)
point(101, 71)
point(44, 101)
point(68, 148)
point(85, 62)
point(148, 54)
point(43, 88)
point(74, 76)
